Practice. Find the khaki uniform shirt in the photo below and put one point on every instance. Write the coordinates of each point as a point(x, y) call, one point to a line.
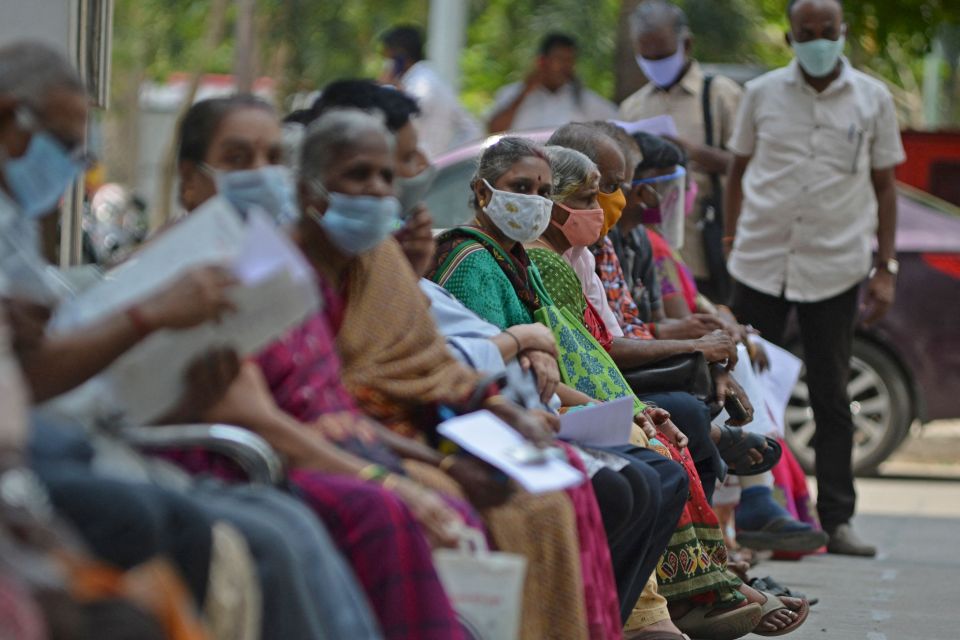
point(809, 211)
point(684, 102)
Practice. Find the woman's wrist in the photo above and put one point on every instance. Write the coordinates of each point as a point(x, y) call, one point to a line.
point(140, 322)
point(375, 473)
point(515, 334)
point(446, 463)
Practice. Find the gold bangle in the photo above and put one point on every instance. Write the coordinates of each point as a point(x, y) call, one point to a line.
point(447, 463)
point(373, 473)
point(390, 482)
point(515, 339)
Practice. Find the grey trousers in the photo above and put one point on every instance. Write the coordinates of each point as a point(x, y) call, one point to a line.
point(308, 590)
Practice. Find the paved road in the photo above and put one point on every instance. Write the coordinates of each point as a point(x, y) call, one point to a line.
point(911, 591)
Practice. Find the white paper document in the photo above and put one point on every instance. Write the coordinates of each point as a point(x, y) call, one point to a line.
point(276, 291)
point(749, 381)
point(601, 425)
point(779, 380)
point(658, 125)
point(490, 439)
point(213, 234)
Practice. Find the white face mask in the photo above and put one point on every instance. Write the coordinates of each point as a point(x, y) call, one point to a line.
point(663, 73)
point(521, 217)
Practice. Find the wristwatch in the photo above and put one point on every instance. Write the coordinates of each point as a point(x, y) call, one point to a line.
point(891, 266)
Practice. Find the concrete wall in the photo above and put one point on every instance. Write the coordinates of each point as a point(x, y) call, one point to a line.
point(46, 20)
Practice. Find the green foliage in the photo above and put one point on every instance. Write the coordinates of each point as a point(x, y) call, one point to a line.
point(307, 43)
point(503, 37)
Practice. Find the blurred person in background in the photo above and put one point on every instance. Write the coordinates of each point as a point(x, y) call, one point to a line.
point(815, 145)
point(678, 87)
point(442, 122)
point(551, 95)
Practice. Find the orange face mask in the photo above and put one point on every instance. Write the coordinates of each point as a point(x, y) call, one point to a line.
point(612, 205)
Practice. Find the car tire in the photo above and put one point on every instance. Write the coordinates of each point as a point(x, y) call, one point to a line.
point(881, 404)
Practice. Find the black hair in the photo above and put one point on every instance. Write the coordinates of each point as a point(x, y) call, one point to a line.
point(300, 116)
point(792, 3)
point(202, 120)
point(658, 153)
point(396, 106)
point(555, 40)
point(406, 38)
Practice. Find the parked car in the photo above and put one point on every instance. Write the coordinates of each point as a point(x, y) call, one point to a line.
point(903, 370)
point(907, 367)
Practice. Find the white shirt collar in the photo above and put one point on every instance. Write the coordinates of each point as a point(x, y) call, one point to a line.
point(795, 77)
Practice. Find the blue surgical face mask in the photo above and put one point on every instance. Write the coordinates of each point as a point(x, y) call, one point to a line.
point(270, 188)
point(357, 224)
point(819, 57)
point(38, 178)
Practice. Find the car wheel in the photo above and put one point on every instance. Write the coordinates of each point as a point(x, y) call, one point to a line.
point(880, 403)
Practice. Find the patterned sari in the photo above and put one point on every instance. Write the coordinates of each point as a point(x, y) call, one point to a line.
point(695, 562)
point(395, 363)
point(513, 281)
point(674, 275)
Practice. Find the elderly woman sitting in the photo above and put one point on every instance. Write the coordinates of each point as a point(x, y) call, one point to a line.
point(396, 365)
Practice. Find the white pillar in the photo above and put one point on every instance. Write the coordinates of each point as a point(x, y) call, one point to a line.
point(446, 37)
point(932, 85)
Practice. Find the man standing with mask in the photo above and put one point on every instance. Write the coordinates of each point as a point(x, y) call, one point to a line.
point(679, 88)
point(815, 146)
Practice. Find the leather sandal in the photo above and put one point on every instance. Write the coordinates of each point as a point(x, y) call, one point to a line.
point(774, 604)
point(710, 623)
point(769, 585)
point(735, 445)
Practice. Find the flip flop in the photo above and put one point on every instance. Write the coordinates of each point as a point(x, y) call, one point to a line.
point(710, 623)
point(774, 604)
point(656, 635)
point(734, 447)
point(769, 585)
point(776, 536)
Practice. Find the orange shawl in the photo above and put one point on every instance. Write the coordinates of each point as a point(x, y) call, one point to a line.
point(394, 358)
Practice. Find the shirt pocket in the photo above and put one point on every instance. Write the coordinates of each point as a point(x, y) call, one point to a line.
point(845, 140)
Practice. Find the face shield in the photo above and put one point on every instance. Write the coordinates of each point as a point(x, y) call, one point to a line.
point(670, 213)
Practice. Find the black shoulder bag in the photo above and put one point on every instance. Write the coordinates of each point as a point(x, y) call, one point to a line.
point(712, 220)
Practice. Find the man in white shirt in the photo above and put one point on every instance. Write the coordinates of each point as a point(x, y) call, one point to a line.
point(815, 147)
point(443, 124)
point(551, 95)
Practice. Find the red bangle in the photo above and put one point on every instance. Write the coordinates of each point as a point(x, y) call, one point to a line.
point(139, 323)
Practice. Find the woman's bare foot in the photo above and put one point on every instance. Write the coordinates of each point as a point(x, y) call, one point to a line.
point(776, 620)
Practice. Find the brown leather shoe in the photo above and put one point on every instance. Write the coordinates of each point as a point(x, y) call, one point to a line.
point(844, 542)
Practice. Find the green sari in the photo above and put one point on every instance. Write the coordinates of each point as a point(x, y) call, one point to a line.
point(494, 284)
point(694, 564)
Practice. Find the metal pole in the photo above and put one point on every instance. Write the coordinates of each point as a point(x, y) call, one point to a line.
point(446, 37)
point(244, 49)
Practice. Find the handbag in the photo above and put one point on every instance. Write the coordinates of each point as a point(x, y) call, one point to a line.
point(682, 372)
point(485, 587)
point(712, 221)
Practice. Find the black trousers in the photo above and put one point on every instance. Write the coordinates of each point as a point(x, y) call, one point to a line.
point(826, 332)
point(645, 520)
point(692, 417)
